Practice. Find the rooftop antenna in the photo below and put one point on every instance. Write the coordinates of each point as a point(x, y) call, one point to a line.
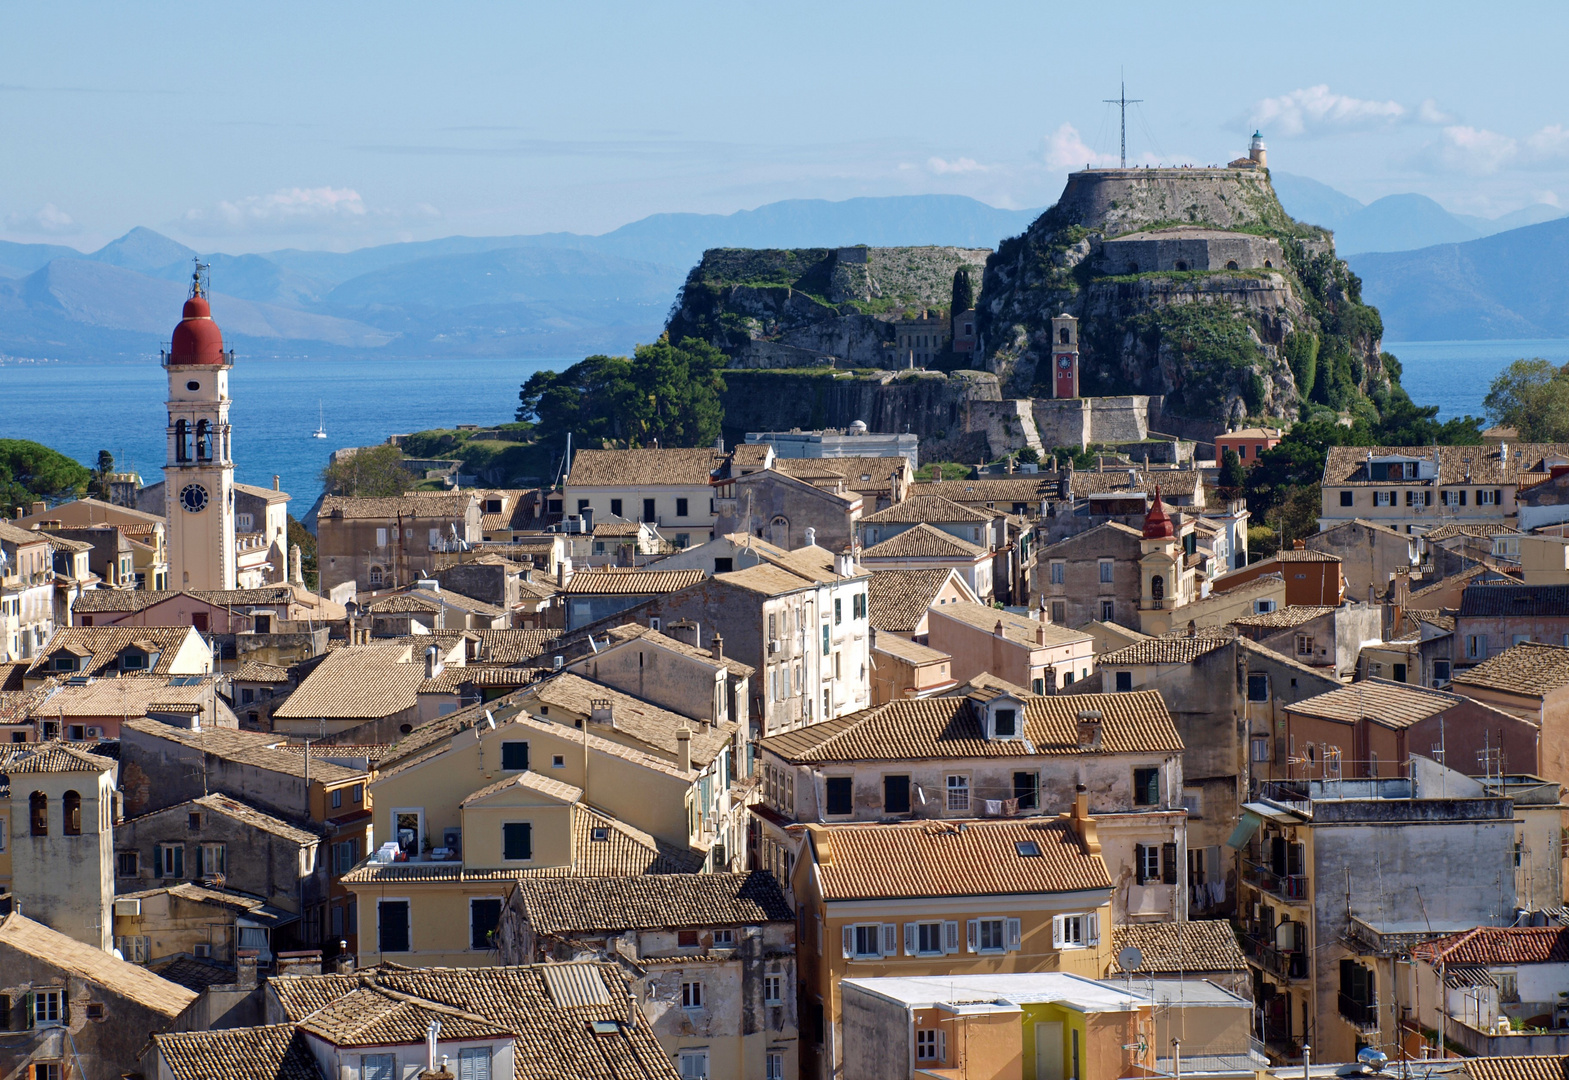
point(1122, 101)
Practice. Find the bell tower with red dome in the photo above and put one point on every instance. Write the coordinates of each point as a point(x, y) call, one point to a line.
point(199, 477)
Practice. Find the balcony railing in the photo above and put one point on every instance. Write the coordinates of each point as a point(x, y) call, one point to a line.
point(1282, 963)
point(1235, 1059)
point(1292, 887)
point(1363, 1015)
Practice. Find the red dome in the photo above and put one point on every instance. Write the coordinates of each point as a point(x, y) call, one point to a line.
point(1157, 526)
point(197, 340)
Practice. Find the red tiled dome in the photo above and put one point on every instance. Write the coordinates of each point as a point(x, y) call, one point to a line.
point(197, 340)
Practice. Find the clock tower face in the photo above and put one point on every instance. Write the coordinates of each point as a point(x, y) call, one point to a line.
point(1065, 362)
point(193, 497)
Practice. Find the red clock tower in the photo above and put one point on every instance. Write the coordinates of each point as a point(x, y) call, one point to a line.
point(1065, 356)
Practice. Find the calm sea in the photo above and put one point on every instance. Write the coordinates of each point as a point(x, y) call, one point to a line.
point(81, 407)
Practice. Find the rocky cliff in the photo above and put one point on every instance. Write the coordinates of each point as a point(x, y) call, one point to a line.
point(1220, 342)
point(810, 306)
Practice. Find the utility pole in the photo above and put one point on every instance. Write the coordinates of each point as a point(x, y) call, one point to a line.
point(1122, 101)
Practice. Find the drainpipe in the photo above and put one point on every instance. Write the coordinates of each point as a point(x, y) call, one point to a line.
point(432, 1033)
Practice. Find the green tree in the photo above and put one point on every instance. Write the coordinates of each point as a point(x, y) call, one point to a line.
point(1531, 396)
point(963, 291)
point(98, 486)
point(1233, 477)
point(588, 399)
point(373, 471)
point(299, 534)
point(1302, 354)
point(31, 472)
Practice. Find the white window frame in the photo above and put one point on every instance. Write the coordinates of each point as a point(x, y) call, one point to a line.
point(164, 859)
point(48, 1008)
point(926, 1044)
point(1079, 930)
point(947, 934)
point(391, 1060)
point(474, 1054)
point(773, 989)
point(954, 790)
point(692, 995)
point(693, 1064)
point(775, 1065)
point(1059, 572)
point(204, 854)
point(1107, 571)
point(1146, 862)
point(1487, 497)
point(882, 936)
point(724, 938)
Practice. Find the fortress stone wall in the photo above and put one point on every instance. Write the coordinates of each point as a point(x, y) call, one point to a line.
point(1188, 249)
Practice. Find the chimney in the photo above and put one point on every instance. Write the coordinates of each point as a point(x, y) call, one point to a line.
point(38, 508)
point(717, 647)
point(433, 664)
point(296, 565)
point(1090, 729)
point(631, 1011)
point(997, 630)
point(684, 749)
point(602, 712)
point(1082, 823)
point(343, 963)
point(276, 479)
point(245, 969)
point(844, 564)
point(1298, 545)
point(811, 536)
point(1193, 629)
point(1040, 633)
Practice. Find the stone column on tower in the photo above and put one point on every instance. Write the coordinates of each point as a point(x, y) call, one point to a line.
point(199, 475)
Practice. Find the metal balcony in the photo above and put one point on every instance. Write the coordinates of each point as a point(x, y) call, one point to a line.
point(1285, 964)
point(1361, 1015)
point(1289, 887)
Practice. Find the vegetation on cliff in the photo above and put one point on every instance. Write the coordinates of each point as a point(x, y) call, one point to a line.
point(665, 394)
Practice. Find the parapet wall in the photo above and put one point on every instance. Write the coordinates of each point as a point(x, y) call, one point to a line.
point(1083, 421)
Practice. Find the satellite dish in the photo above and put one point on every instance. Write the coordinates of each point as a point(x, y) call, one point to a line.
point(490, 719)
point(1129, 959)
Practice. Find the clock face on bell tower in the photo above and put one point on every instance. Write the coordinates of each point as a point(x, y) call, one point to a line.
point(193, 497)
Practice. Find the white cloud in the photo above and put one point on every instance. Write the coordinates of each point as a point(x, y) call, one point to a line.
point(1475, 150)
point(47, 219)
point(296, 210)
point(1066, 150)
point(958, 165)
point(1429, 113)
point(1315, 108)
point(1551, 143)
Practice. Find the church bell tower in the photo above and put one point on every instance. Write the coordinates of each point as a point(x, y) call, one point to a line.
point(1065, 356)
point(198, 485)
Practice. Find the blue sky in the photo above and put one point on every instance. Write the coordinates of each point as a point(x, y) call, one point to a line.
point(336, 125)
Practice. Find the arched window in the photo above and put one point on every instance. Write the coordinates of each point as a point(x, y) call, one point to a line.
point(1158, 591)
point(1062, 335)
point(779, 532)
point(1268, 265)
point(1181, 265)
point(375, 575)
point(71, 803)
point(203, 440)
point(38, 811)
point(182, 450)
point(1231, 264)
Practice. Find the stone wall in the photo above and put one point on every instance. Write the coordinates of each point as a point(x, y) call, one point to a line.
point(1083, 421)
point(1188, 249)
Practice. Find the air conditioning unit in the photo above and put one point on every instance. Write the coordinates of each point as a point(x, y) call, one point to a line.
point(203, 952)
point(95, 733)
point(128, 907)
point(773, 646)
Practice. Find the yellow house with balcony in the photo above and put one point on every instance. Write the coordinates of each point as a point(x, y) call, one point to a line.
point(943, 898)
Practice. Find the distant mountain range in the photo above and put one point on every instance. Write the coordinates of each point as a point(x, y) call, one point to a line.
point(1395, 222)
point(553, 294)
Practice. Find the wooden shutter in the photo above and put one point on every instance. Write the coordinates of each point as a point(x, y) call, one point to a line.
point(1168, 864)
point(911, 938)
point(972, 931)
point(848, 934)
point(1056, 931)
point(1138, 864)
point(950, 937)
point(942, 1045)
point(1015, 934)
point(890, 939)
point(1092, 928)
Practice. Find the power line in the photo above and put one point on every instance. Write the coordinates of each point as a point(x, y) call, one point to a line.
point(1122, 101)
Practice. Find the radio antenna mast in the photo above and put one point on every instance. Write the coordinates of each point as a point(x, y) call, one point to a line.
point(1122, 101)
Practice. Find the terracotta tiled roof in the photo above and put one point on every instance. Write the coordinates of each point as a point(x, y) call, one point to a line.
point(1019, 629)
point(273, 1052)
point(637, 632)
point(413, 506)
point(241, 812)
point(1447, 583)
point(949, 727)
point(1173, 648)
point(1390, 704)
point(1451, 529)
point(258, 672)
point(97, 967)
point(119, 600)
point(1305, 555)
point(267, 594)
point(1347, 465)
point(1488, 945)
point(925, 508)
point(644, 467)
point(453, 677)
point(1514, 601)
point(357, 682)
point(631, 582)
point(1516, 1066)
point(191, 973)
point(554, 1037)
point(1173, 483)
point(899, 599)
point(533, 781)
point(254, 748)
point(105, 643)
point(924, 542)
point(514, 646)
point(128, 695)
point(939, 859)
point(1437, 618)
point(1010, 490)
point(765, 579)
point(1168, 948)
point(404, 603)
point(617, 528)
point(376, 1016)
point(52, 757)
point(908, 650)
point(1526, 668)
point(11, 673)
point(1285, 617)
point(866, 475)
point(650, 902)
point(649, 725)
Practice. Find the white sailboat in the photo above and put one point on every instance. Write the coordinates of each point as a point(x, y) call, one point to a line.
point(321, 425)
